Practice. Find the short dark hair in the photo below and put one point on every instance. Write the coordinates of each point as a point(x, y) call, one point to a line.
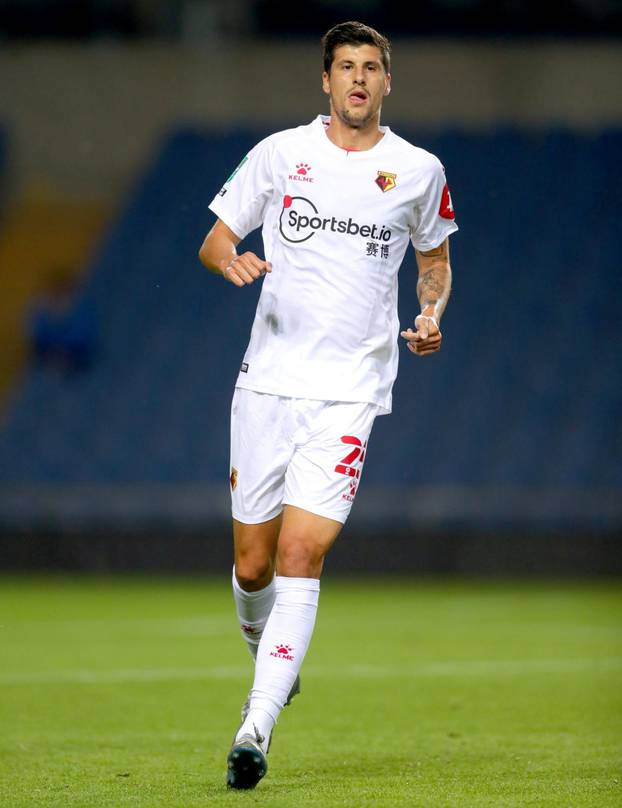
point(354, 33)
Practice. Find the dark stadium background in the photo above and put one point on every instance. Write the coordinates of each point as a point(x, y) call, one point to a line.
point(118, 123)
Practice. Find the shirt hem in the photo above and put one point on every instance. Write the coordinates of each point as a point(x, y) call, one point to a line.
point(224, 217)
point(432, 244)
point(288, 393)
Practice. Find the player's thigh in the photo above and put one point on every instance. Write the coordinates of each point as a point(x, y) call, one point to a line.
point(260, 452)
point(255, 547)
point(304, 540)
point(324, 473)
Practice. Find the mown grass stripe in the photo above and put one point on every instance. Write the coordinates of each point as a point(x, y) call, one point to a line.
point(515, 667)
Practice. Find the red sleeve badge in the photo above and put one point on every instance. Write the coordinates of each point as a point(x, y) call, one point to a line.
point(446, 210)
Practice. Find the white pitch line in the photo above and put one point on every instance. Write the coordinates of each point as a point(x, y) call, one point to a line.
point(424, 670)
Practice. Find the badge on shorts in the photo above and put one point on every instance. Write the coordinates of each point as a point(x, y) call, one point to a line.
point(233, 479)
point(244, 368)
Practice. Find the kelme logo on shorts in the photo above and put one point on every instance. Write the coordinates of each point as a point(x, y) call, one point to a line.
point(300, 220)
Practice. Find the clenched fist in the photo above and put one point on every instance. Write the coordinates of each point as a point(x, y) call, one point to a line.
point(427, 337)
point(246, 268)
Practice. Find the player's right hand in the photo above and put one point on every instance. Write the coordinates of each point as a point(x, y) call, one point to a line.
point(246, 268)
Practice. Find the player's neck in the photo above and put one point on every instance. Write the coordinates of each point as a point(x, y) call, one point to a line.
point(353, 138)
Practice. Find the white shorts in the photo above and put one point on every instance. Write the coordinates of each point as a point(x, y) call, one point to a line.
point(296, 451)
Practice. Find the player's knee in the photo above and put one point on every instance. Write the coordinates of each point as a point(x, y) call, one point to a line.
point(300, 559)
point(253, 573)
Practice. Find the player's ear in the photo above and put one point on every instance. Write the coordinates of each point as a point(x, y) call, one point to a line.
point(326, 83)
point(387, 84)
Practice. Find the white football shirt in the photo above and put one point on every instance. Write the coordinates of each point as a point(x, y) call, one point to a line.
point(336, 225)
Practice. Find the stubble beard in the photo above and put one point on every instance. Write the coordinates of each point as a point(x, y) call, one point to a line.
point(353, 121)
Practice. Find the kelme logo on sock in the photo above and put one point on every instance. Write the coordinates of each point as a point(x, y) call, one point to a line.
point(283, 652)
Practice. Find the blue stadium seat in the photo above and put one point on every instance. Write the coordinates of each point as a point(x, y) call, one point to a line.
point(526, 391)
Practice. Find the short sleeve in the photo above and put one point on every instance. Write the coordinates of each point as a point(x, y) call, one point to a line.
point(242, 201)
point(434, 216)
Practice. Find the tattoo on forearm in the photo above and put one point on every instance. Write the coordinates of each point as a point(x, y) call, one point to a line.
point(434, 285)
point(431, 284)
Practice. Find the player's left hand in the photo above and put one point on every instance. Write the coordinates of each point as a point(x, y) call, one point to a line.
point(427, 337)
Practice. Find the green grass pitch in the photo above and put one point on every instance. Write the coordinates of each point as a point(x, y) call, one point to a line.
point(126, 691)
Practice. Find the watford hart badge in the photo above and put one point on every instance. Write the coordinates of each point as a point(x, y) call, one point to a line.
point(385, 181)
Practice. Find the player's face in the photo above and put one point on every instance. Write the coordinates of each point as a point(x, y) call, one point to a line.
point(356, 84)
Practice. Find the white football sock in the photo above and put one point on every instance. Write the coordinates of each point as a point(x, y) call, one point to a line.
point(281, 651)
point(253, 610)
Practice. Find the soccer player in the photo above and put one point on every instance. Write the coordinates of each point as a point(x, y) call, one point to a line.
point(339, 199)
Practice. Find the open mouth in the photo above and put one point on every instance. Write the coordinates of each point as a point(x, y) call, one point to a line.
point(357, 97)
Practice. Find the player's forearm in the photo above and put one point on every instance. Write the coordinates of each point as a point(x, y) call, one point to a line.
point(433, 289)
point(434, 284)
point(217, 251)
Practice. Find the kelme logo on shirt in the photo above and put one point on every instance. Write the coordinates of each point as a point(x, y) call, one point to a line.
point(302, 173)
point(300, 220)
